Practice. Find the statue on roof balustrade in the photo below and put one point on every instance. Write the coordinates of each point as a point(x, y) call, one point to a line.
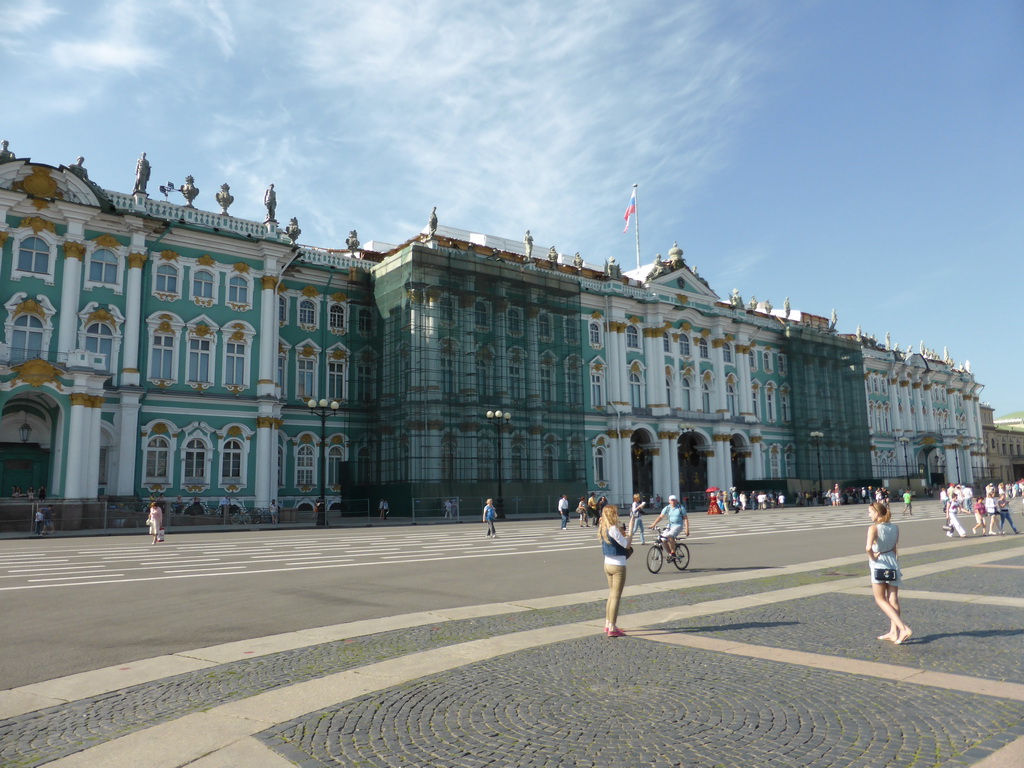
point(142, 171)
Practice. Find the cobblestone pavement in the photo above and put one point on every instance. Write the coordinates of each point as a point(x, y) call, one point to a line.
point(638, 700)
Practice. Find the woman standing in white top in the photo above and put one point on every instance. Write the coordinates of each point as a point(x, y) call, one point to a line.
point(616, 547)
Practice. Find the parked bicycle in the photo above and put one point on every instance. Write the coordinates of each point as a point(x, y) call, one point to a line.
point(659, 553)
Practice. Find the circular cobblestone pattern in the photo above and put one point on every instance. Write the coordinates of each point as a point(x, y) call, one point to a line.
point(590, 703)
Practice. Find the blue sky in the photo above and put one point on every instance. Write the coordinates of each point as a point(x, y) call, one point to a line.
point(865, 156)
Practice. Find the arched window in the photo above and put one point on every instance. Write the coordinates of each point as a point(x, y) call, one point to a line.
point(26, 338)
point(730, 398)
point(766, 361)
point(448, 453)
point(280, 466)
point(632, 337)
point(684, 345)
point(99, 339)
point(666, 343)
point(103, 267)
point(161, 357)
point(166, 279)
point(447, 310)
point(282, 310)
point(769, 403)
point(195, 462)
point(755, 400)
point(202, 285)
point(238, 290)
point(752, 360)
point(365, 321)
point(599, 464)
point(337, 317)
point(702, 346)
point(518, 462)
point(544, 326)
point(516, 385)
point(335, 454)
point(231, 461)
point(784, 401)
point(34, 255)
point(158, 452)
point(727, 352)
point(483, 378)
point(685, 386)
point(705, 396)
point(307, 312)
point(774, 458)
point(515, 321)
point(305, 463)
point(480, 315)
point(668, 390)
point(548, 455)
point(547, 382)
point(595, 334)
point(636, 390)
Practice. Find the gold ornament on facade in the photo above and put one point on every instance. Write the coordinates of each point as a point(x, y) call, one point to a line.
point(39, 204)
point(339, 297)
point(338, 354)
point(80, 398)
point(37, 224)
point(717, 343)
point(35, 373)
point(206, 260)
point(165, 327)
point(96, 401)
point(136, 260)
point(73, 250)
point(234, 431)
point(241, 268)
point(202, 330)
point(3, 238)
point(238, 336)
point(306, 439)
point(107, 241)
point(682, 299)
point(268, 282)
point(652, 333)
point(264, 422)
point(168, 255)
point(310, 292)
point(101, 315)
point(39, 183)
point(756, 439)
point(30, 307)
point(307, 351)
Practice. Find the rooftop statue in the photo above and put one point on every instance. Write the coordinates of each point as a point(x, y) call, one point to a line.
point(224, 198)
point(432, 222)
point(79, 169)
point(888, 344)
point(552, 254)
point(735, 300)
point(5, 154)
point(292, 230)
point(270, 200)
point(612, 268)
point(528, 244)
point(352, 242)
point(577, 261)
point(675, 257)
point(142, 171)
point(835, 319)
point(768, 306)
point(752, 304)
point(658, 269)
point(786, 306)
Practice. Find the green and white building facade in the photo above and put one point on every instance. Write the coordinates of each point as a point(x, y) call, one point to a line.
point(150, 347)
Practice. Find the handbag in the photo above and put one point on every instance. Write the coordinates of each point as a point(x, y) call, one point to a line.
point(629, 552)
point(886, 574)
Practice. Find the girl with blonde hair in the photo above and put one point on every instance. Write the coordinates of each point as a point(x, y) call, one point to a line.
point(616, 546)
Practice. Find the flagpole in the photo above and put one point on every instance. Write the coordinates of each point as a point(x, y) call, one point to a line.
point(637, 225)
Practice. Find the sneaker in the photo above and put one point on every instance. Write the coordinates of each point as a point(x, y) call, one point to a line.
point(950, 534)
point(616, 633)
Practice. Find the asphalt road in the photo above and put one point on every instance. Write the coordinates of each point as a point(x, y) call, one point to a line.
point(76, 604)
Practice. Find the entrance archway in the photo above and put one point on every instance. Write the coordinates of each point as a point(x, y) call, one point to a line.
point(642, 462)
point(738, 454)
point(26, 432)
point(693, 464)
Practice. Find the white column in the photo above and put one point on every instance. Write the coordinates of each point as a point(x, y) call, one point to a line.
point(743, 373)
point(74, 487)
point(91, 467)
point(130, 375)
point(70, 292)
point(266, 461)
point(718, 366)
point(615, 344)
point(898, 416)
point(655, 365)
point(673, 463)
point(268, 335)
point(127, 444)
point(757, 448)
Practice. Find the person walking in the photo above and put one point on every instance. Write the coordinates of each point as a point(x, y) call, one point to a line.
point(275, 514)
point(490, 513)
point(155, 520)
point(581, 510)
point(636, 514)
point(979, 517)
point(616, 547)
point(952, 523)
point(384, 509)
point(1003, 508)
point(886, 578)
point(990, 512)
point(908, 507)
point(563, 510)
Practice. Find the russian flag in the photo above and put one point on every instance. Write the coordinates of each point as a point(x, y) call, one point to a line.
point(630, 210)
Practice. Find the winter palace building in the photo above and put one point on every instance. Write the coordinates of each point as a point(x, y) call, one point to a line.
point(152, 347)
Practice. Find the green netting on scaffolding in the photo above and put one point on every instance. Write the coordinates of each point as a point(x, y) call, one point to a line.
point(465, 334)
point(827, 376)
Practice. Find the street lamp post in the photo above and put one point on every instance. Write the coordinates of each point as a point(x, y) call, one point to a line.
point(816, 438)
point(956, 455)
point(906, 461)
point(323, 409)
point(498, 418)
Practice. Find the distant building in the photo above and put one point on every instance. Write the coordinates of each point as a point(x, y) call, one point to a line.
point(150, 347)
point(1004, 441)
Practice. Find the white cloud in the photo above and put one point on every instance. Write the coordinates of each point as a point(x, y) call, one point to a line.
point(21, 16)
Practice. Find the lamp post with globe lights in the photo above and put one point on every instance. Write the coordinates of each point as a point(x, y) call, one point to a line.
point(499, 418)
point(323, 409)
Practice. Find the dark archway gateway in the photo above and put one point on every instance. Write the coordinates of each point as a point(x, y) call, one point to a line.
point(738, 454)
point(693, 463)
point(642, 460)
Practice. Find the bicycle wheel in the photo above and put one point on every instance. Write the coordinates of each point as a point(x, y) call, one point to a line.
point(655, 558)
point(682, 558)
point(235, 518)
point(246, 518)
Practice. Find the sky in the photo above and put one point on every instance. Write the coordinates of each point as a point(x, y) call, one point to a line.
point(864, 156)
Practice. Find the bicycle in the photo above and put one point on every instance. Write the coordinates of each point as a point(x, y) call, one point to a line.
point(240, 515)
point(658, 554)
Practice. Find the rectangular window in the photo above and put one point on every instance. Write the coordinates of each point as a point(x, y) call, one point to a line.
point(282, 363)
point(515, 381)
point(234, 364)
point(305, 379)
point(199, 351)
point(596, 390)
point(336, 380)
point(364, 382)
point(161, 357)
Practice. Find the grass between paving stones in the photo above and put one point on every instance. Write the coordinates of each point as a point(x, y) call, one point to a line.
point(39, 737)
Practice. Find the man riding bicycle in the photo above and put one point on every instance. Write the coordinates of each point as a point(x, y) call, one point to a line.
point(678, 521)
